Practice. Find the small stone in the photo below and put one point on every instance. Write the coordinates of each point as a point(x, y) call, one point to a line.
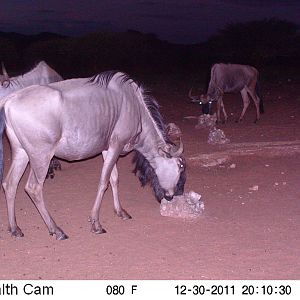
point(254, 188)
point(232, 166)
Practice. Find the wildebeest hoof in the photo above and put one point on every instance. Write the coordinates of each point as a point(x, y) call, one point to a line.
point(59, 234)
point(16, 233)
point(61, 237)
point(97, 229)
point(123, 214)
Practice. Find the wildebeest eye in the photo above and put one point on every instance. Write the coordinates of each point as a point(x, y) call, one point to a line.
point(180, 164)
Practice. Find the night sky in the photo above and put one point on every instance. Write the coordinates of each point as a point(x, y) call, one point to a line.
point(181, 21)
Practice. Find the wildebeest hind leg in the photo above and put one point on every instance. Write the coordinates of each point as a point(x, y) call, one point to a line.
point(256, 102)
point(114, 181)
point(34, 188)
point(10, 184)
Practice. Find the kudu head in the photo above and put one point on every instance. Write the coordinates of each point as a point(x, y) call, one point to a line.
point(204, 100)
point(4, 78)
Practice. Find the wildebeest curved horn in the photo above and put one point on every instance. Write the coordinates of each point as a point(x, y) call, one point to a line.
point(173, 132)
point(176, 152)
point(4, 71)
point(194, 98)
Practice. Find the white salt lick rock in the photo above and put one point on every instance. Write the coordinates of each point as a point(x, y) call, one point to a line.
point(187, 206)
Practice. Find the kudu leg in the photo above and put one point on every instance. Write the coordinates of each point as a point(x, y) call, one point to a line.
point(114, 181)
point(110, 160)
point(10, 184)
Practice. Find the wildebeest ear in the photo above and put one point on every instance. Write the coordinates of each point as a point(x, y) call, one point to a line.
point(164, 151)
point(6, 83)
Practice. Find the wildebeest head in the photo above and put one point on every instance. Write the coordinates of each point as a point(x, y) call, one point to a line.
point(204, 100)
point(167, 175)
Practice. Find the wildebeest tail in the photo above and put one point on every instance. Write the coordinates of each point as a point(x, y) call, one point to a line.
point(2, 125)
point(261, 102)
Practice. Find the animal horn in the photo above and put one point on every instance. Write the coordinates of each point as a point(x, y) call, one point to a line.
point(177, 152)
point(194, 98)
point(4, 71)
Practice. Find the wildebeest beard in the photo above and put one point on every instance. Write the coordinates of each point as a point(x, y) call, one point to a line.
point(146, 174)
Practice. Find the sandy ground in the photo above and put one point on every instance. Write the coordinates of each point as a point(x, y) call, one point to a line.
point(243, 233)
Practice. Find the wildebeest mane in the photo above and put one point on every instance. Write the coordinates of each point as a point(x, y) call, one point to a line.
point(104, 78)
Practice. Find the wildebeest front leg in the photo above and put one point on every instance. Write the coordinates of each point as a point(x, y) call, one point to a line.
point(223, 110)
point(34, 188)
point(114, 181)
point(10, 184)
point(109, 162)
point(220, 105)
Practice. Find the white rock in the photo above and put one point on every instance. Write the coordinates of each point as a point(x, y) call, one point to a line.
point(217, 136)
point(206, 120)
point(187, 206)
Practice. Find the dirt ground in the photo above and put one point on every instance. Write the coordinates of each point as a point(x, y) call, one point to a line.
point(244, 233)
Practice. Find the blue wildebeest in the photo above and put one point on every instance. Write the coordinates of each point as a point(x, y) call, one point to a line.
point(232, 78)
point(40, 74)
point(79, 118)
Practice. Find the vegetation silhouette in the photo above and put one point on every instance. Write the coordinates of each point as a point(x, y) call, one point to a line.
point(269, 45)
